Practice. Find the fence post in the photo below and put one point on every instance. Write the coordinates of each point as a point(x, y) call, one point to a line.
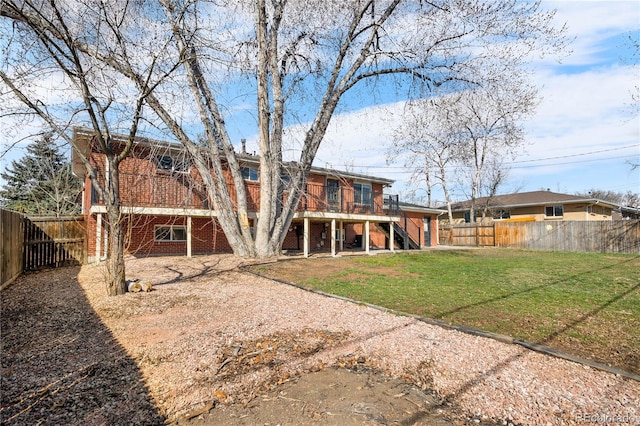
point(494, 234)
point(11, 243)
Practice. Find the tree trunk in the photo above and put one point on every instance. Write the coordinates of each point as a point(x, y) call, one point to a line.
point(445, 189)
point(427, 172)
point(116, 284)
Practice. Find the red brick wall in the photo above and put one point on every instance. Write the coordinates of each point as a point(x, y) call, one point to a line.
point(206, 236)
point(419, 220)
point(377, 239)
point(416, 230)
point(291, 240)
point(434, 230)
point(90, 220)
point(315, 236)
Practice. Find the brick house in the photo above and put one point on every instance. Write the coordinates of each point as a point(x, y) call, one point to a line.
point(166, 210)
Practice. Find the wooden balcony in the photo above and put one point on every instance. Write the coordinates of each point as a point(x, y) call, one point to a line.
point(162, 190)
point(183, 191)
point(321, 198)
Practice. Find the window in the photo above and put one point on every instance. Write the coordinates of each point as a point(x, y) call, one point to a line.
point(467, 217)
point(339, 234)
point(250, 173)
point(362, 193)
point(333, 192)
point(167, 163)
point(501, 214)
point(553, 211)
point(285, 179)
point(170, 233)
point(597, 210)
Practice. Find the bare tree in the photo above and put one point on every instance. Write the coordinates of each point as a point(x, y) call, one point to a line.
point(336, 46)
point(297, 59)
point(633, 60)
point(624, 199)
point(427, 144)
point(466, 135)
point(52, 45)
point(490, 128)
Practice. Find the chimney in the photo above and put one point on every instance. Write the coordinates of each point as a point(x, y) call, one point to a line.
point(244, 146)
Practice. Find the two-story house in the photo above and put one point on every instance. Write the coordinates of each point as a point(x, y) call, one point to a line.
point(166, 210)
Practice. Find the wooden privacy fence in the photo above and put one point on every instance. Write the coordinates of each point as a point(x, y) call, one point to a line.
point(12, 239)
point(39, 242)
point(471, 235)
point(54, 242)
point(620, 236)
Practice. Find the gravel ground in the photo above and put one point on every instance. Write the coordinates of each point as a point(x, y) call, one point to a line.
point(210, 334)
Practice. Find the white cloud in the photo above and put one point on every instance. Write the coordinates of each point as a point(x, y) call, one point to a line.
point(585, 110)
point(592, 23)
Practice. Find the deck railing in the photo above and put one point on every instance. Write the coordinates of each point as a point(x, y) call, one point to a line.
point(322, 198)
point(178, 190)
point(181, 190)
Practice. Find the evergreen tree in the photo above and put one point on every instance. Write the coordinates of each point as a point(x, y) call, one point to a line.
point(41, 182)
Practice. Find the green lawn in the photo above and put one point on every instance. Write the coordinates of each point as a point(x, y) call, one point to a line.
point(587, 304)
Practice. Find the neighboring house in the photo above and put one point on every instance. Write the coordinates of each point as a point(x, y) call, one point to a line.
point(166, 210)
point(539, 206)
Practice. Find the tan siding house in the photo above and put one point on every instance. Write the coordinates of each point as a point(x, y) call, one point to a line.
point(541, 206)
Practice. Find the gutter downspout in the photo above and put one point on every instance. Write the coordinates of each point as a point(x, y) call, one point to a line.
point(438, 227)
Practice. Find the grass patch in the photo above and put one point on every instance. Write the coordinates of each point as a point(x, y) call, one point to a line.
point(587, 304)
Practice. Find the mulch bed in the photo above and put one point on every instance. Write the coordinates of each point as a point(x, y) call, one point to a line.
point(60, 364)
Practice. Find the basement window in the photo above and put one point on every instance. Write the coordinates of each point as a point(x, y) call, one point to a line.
point(170, 233)
point(553, 211)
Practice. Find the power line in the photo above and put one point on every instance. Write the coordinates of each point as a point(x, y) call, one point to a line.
point(578, 155)
point(573, 162)
point(403, 169)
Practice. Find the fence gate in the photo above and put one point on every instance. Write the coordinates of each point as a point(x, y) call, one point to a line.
point(468, 235)
point(54, 242)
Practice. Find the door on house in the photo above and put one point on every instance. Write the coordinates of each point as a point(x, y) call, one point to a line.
point(427, 231)
point(333, 194)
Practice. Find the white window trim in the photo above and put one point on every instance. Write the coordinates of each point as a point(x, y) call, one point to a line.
point(248, 179)
point(171, 233)
point(502, 211)
point(553, 206)
point(370, 191)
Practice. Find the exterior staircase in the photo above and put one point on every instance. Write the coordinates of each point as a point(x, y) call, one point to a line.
point(400, 234)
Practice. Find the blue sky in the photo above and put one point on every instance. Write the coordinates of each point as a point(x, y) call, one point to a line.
point(583, 135)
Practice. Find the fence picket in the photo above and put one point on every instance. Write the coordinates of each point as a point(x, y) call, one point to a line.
point(39, 242)
point(621, 236)
point(54, 242)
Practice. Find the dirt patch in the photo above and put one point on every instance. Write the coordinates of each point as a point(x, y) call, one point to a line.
point(334, 397)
